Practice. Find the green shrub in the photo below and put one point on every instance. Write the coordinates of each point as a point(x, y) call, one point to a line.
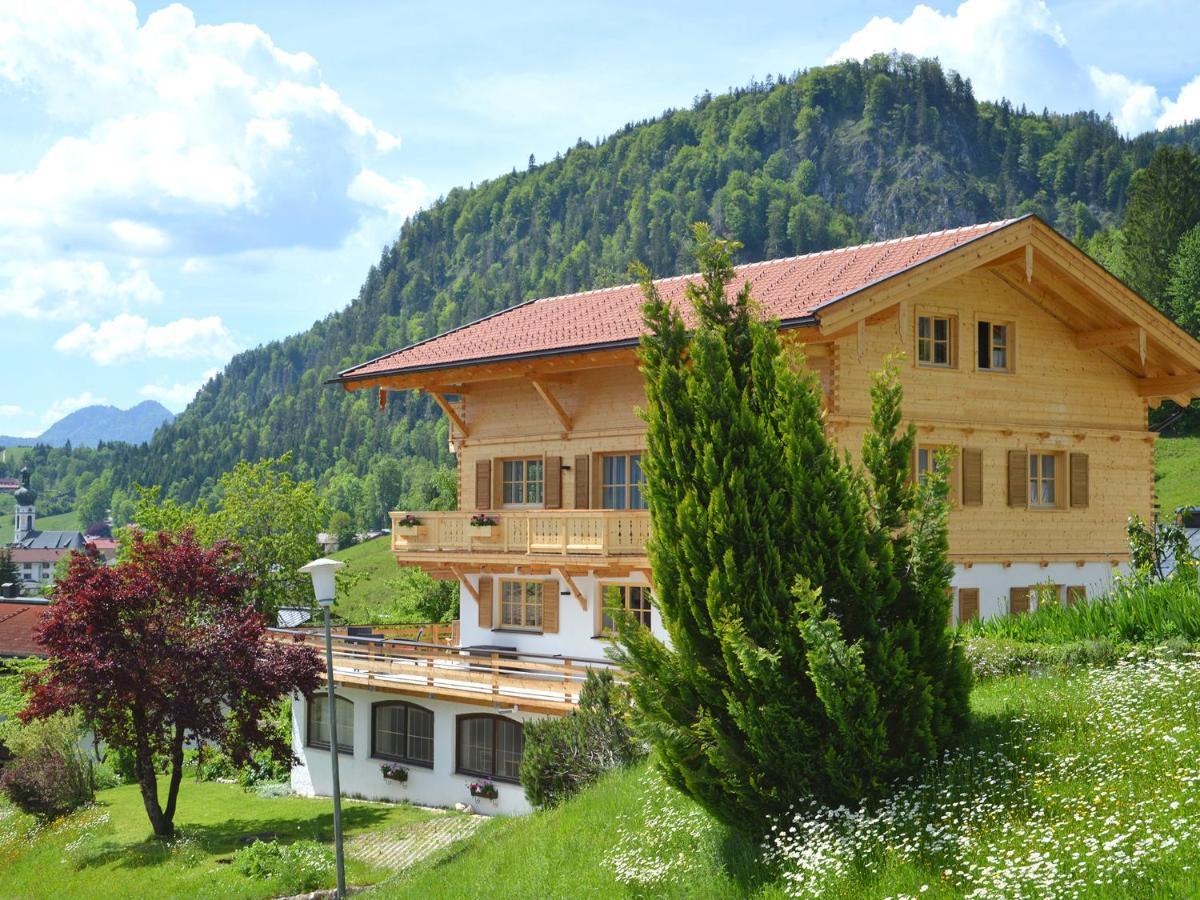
point(295, 868)
point(565, 754)
point(49, 775)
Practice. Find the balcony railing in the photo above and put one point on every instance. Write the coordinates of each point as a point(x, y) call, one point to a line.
point(444, 634)
point(580, 532)
point(483, 675)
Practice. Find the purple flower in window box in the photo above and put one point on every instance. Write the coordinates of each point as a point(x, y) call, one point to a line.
point(483, 520)
point(408, 520)
point(394, 772)
point(485, 789)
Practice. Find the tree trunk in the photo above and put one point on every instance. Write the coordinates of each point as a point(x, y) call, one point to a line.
point(143, 767)
point(176, 776)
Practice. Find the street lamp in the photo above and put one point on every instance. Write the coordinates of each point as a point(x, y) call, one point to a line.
point(323, 572)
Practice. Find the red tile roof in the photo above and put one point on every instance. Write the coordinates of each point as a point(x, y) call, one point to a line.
point(789, 289)
point(18, 620)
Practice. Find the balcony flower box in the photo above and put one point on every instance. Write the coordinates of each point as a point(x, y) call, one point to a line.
point(394, 772)
point(484, 789)
point(408, 526)
point(483, 526)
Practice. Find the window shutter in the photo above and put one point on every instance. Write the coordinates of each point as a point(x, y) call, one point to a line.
point(583, 482)
point(1018, 478)
point(552, 472)
point(1079, 480)
point(968, 604)
point(483, 484)
point(972, 477)
point(485, 601)
point(498, 483)
point(1076, 594)
point(1018, 600)
point(550, 599)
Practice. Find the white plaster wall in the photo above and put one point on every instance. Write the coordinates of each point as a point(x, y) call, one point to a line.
point(577, 627)
point(360, 776)
point(994, 581)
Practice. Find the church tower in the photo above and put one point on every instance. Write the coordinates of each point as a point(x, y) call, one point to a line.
point(26, 499)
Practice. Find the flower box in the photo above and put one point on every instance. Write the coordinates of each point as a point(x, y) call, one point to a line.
point(481, 525)
point(481, 530)
point(409, 530)
point(394, 772)
point(484, 789)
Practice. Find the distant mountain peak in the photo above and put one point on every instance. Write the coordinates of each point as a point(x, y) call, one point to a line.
point(88, 426)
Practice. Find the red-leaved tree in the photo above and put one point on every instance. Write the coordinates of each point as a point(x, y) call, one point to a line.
point(162, 648)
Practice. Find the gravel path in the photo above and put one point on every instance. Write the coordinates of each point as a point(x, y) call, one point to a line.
point(401, 847)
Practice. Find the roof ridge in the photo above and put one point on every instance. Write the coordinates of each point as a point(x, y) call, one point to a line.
point(666, 279)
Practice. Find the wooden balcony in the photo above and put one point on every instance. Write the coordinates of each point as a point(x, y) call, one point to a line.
point(481, 676)
point(585, 537)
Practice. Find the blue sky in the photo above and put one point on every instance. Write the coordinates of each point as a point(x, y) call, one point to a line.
point(180, 183)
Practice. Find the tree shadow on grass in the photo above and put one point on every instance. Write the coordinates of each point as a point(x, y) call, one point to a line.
point(223, 839)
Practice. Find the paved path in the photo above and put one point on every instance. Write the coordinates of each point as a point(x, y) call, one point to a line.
point(399, 848)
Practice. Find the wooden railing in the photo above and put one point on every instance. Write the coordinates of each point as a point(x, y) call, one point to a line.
point(444, 634)
point(583, 532)
point(538, 682)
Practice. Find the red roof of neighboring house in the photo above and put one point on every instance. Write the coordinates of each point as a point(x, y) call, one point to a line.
point(790, 290)
point(23, 555)
point(18, 620)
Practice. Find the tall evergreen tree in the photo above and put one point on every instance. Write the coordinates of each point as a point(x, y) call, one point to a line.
point(798, 593)
point(1164, 204)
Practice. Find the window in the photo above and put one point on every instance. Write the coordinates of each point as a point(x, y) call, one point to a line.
point(935, 457)
point(621, 481)
point(521, 604)
point(318, 723)
point(402, 732)
point(935, 341)
point(1043, 480)
point(634, 598)
point(523, 481)
point(994, 346)
point(490, 746)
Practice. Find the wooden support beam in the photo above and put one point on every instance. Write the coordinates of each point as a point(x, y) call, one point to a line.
point(566, 576)
point(450, 412)
point(1169, 386)
point(1029, 263)
point(1127, 335)
point(465, 582)
point(544, 392)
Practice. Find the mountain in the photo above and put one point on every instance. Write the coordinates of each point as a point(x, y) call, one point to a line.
point(89, 426)
point(828, 157)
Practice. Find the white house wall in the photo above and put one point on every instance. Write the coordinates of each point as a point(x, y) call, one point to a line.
point(360, 775)
point(994, 581)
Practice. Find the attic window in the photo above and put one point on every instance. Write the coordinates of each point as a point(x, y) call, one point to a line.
point(994, 346)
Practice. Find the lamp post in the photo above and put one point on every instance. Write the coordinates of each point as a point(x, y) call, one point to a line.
point(322, 572)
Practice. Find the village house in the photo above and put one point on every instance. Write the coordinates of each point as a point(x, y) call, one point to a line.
point(1024, 359)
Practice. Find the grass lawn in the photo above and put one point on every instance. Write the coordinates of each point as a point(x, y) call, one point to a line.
point(1177, 464)
point(374, 591)
point(1077, 785)
point(106, 850)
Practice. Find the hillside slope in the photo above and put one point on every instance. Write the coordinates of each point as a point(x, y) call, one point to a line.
point(832, 156)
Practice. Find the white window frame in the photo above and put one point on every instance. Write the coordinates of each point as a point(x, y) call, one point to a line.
point(933, 316)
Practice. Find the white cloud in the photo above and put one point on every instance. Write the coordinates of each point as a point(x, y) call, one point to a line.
point(399, 199)
point(181, 138)
point(67, 405)
point(8, 409)
point(177, 396)
point(72, 289)
point(1016, 49)
point(128, 337)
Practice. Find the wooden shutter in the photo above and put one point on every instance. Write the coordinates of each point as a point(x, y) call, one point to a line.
point(972, 477)
point(550, 598)
point(1018, 478)
point(552, 472)
point(968, 604)
point(483, 484)
point(498, 483)
point(1076, 594)
point(1018, 600)
point(485, 601)
point(1079, 480)
point(583, 482)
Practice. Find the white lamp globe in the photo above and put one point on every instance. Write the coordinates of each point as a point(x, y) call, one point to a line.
point(323, 572)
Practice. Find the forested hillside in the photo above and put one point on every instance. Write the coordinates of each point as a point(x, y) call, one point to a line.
point(829, 157)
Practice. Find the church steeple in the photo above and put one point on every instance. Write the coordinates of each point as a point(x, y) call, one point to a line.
point(26, 502)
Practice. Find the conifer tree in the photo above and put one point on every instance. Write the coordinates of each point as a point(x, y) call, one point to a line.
point(798, 592)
